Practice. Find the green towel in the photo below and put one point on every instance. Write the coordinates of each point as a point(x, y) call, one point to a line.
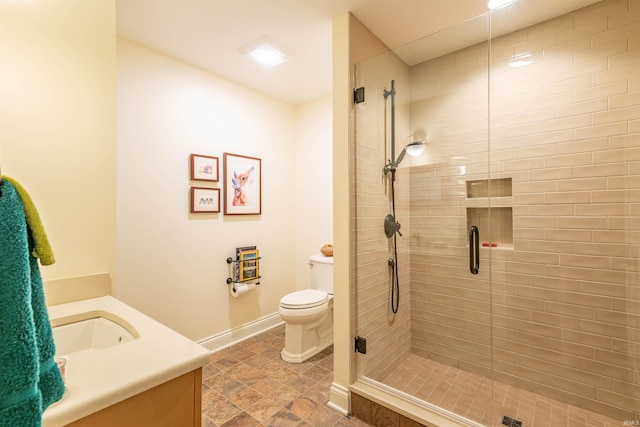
point(29, 378)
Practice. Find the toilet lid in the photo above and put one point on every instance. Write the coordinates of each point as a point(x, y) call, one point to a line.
point(304, 299)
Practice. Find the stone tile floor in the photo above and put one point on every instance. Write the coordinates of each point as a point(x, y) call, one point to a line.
point(248, 384)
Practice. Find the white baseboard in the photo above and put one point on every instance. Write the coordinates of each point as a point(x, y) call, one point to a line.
point(241, 333)
point(339, 399)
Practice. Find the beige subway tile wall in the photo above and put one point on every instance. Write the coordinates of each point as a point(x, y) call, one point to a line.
point(556, 302)
point(388, 336)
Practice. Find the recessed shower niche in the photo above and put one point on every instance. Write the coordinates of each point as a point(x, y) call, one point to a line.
point(489, 207)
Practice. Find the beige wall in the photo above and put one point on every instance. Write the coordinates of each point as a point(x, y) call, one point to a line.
point(57, 124)
point(58, 138)
point(344, 324)
point(172, 264)
point(562, 315)
point(311, 177)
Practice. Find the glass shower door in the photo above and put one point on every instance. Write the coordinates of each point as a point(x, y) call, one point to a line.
point(534, 140)
point(565, 305)
point(436, 349)
point(388, 335)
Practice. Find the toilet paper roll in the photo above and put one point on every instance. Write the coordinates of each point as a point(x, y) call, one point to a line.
point(240, 289)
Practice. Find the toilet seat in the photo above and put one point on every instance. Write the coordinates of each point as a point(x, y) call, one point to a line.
point(307, 298)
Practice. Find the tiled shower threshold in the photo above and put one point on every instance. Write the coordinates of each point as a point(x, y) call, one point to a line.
point(467, 396)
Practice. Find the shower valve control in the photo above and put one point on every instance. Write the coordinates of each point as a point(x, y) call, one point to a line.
point(391, 226)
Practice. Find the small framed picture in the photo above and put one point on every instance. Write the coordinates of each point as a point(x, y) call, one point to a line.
point(205, 200)
point(204, 168)
point(242, 185)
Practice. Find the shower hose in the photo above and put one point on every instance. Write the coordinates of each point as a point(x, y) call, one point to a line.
point(395, 281)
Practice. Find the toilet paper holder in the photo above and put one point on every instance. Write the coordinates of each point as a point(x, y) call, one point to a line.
point(245, 267)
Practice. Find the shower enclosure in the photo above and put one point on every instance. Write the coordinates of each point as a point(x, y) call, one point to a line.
point(532, 163)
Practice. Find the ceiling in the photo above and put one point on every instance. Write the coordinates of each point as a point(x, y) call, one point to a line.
point(208, 33)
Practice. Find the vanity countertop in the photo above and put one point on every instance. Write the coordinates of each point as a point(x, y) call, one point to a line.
point(102, 378)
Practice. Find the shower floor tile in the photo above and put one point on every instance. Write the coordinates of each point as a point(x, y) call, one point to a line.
point(469, 395)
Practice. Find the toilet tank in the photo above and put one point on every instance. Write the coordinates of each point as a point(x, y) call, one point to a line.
point(321, 273)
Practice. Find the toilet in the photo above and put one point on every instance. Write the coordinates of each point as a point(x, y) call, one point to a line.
point(308, 314)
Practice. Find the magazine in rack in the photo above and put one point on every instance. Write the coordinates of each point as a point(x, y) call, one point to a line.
point(247, 266)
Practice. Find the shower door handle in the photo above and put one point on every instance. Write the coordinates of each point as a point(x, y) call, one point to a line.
point(474, 250)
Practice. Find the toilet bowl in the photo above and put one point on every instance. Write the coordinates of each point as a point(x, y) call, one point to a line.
point(308, 314)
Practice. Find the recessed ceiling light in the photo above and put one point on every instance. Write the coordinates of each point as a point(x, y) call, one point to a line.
point(497, 4)
point(266, 52)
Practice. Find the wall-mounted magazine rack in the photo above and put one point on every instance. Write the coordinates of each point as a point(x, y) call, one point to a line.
point(245, 267)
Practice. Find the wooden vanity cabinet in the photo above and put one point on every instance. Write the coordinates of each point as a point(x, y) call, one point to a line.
point(174, 403)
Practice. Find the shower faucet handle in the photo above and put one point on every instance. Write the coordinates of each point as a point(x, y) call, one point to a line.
point(391, 226)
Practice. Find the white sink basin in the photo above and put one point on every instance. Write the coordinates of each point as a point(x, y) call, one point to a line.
point(98, 377)
point(94, 332)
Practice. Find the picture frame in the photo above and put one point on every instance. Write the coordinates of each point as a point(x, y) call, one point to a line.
point(204, 200)
point(203, 168)
point(242, 185)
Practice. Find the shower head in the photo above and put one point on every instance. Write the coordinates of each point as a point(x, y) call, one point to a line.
point(416, 148)
point(413, 148)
